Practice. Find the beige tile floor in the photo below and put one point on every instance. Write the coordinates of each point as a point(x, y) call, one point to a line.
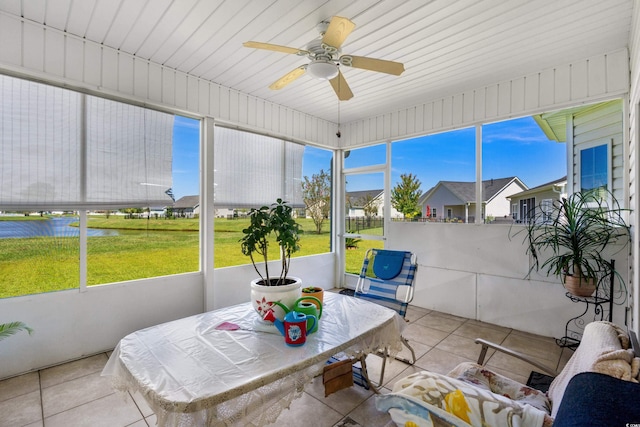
point(74, 394)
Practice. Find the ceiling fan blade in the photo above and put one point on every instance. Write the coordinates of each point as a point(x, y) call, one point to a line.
point(288, 78)
point(341, 87)
point(338, 30)
point(372, 64)
point(275, 47)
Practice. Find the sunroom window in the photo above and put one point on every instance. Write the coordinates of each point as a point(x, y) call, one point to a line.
point(69, 159)
point(253, 170)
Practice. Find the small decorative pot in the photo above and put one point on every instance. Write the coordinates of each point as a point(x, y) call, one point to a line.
point(262, 297)
point(317, 293)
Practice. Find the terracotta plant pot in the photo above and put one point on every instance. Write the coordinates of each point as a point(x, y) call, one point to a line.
point(580, 286)
point(315, 292)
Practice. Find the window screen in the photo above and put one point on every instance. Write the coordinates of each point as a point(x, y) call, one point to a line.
point(252, 170)
point(66, 150)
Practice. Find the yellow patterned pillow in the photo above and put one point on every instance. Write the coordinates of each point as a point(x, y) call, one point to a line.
point(471, 405)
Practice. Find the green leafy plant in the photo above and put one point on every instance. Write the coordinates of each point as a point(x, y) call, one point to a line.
point(8, 329)
point(265, 222)
point(577, 230)
point(405, 195)
point(351, 242)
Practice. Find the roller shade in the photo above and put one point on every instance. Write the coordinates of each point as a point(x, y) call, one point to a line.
point(62, 150)
point(252, 170)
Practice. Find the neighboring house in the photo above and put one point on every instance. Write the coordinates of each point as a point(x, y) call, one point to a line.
point(155, 212)
point(525, 203)
point(187, 207)
point(358, 201)
point(455, 200)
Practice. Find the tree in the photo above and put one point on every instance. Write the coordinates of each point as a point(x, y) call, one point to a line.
point(316, 193)
point(369, 206)
point(405, 195)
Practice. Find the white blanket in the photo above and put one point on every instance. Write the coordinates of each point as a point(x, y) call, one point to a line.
point(604, 348)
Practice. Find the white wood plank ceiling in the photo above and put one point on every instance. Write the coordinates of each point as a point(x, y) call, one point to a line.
point(447, 46)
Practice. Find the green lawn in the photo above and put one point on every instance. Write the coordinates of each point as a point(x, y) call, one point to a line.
point(143, 248)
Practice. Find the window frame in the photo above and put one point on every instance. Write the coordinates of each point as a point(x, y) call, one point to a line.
point(609, 158)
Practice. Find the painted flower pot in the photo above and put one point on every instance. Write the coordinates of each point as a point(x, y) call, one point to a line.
point(262, 297)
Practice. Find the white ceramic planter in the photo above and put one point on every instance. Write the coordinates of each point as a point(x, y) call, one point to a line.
point(262, 297)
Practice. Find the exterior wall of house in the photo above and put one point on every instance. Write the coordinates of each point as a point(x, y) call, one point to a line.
point(634, 161)
point(499, 206)
point(601, 125)
point(440, 200)
point(355, 213)
point(34, 50)
point(591, 80)
point(458, 212)
point(545, 193)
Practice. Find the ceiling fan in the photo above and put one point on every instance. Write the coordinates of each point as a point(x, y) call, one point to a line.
point(326, 57)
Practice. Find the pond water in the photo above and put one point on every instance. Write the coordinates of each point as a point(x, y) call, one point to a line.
point(53, 227)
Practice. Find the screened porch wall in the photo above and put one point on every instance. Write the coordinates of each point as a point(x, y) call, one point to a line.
point(41, 52)
point(70, 324)
point(476, 271)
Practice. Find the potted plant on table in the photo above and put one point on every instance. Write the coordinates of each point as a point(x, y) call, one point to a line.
point(315, 292)
point(569, 238)
point(277, 222)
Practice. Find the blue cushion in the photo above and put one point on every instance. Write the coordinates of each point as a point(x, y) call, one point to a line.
point(387, 264)
point(593, 399)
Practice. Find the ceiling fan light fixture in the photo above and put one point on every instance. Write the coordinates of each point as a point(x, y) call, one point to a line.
point(322, 70)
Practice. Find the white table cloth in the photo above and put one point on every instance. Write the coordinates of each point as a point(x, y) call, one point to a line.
point(194, 372)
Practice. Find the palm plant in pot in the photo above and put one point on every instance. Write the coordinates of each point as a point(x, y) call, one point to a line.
point(572, 238)
point(277, 222)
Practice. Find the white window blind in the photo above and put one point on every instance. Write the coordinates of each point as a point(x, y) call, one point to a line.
point(128, 155)
point(252, 170)
point(62, 150)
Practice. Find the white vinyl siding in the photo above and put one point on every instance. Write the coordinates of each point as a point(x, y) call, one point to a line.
point(634, 164)
point(601, 125)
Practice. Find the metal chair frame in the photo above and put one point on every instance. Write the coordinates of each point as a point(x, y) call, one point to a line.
point(395, 293)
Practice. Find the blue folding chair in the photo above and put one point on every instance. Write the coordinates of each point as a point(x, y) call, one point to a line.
point(387, 279)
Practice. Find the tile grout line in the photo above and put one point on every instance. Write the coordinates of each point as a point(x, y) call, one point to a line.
point(41, 398)
point(138, 408)
point(77, 405)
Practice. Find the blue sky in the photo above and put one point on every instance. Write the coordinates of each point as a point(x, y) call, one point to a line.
point(511, 148)
point(186, 154)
